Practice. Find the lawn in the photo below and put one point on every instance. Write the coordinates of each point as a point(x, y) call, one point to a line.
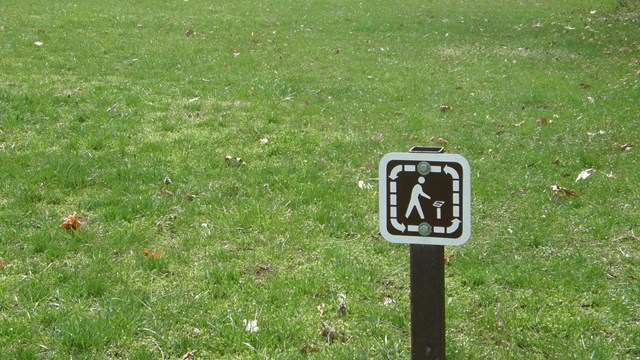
point(221, 158)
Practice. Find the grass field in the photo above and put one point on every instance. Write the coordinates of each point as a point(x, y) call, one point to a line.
point(122, 112)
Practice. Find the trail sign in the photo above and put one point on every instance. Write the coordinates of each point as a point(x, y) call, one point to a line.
point(425, 198)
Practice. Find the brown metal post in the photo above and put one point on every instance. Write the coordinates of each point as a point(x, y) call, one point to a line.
point(427, 302)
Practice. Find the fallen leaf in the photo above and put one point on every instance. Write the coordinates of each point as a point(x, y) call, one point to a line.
point(560, 193)
point(364, 186)
point(542, 122)
point(255, 41)
point(250, 325)
point(331, 334)
point(167, 181)
point(166, 193)
point(191, 355)
point(3, 264)
point(264, 269)
point(190, 197)
point(585, 86)
point(234, 160)
point(192, 100)
point(585, 174)
point(439, 141)
point(342, 306)
point(197, 332)
point(447, 259)
point(377, 137)
point(626, 147)
point(150, 254)
point(71, 223)
point(388, 301)
point(309, 349)
point(189, 32)
point(320, 308)
point(445, 108)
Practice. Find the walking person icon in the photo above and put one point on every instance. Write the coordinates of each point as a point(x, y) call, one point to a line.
point(414, 203)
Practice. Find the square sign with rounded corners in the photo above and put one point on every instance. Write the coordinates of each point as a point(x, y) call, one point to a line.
point(425, 198)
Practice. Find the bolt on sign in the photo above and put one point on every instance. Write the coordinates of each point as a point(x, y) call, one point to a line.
point(425, 198)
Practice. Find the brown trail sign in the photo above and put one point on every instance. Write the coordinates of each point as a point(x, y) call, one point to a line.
point(425, 198)
point(425, 201)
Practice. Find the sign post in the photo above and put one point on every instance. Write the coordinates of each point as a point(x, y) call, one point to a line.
point(425, 201)
point(427, 301)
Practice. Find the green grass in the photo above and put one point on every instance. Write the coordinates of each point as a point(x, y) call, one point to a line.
point(118, 98)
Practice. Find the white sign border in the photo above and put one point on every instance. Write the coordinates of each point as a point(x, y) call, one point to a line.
point(466, 198)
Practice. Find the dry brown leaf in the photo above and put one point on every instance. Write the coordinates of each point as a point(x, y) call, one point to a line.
point(263, 269)
point(191, 355)
point(166, 193)
point(445, 108)
point(189, 32)
point(439, 141)
point(342, 309)
point(584, 174)
point(331, 334)
point(71, 223)
point(377, 137)
point(626, 147)
point(150, 254)
point(560, 193)
point(447, 259)
point(3, 264)
point(234, 160)
point(542, 122)
point(342, 306)
point(190, 197)
point(309, 349)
